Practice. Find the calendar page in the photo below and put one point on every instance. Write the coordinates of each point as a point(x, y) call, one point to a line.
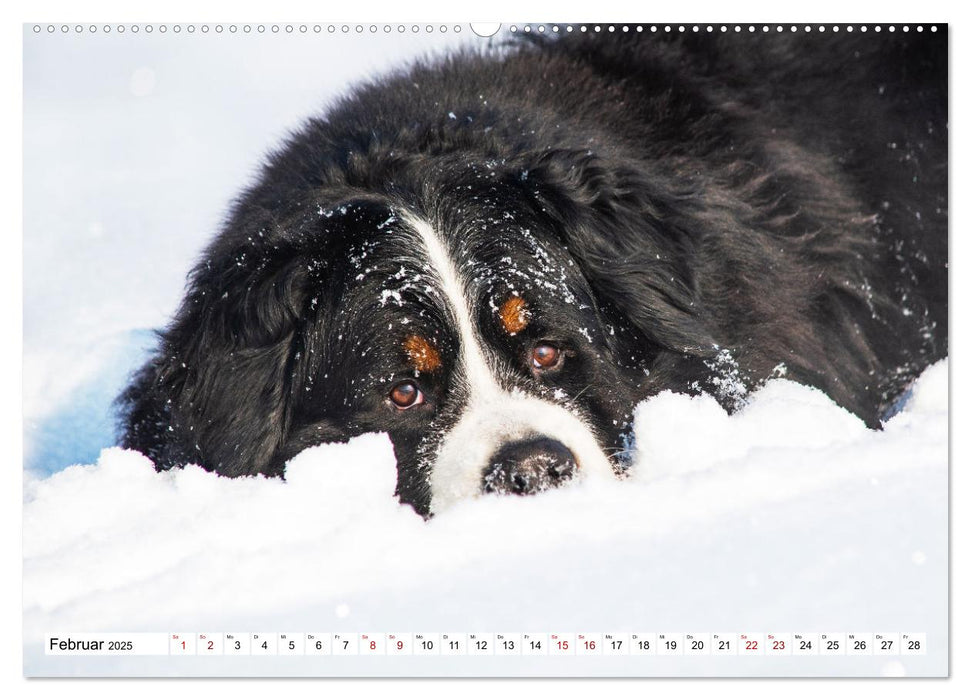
point(516, 349)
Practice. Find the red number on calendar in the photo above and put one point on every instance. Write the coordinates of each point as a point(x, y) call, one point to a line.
point(209, 647)
point(183, 644)
point(751, 645)
point(778, 645)
point(590, 644)
point(563, 644)
point(400, 645)
point(373, 645)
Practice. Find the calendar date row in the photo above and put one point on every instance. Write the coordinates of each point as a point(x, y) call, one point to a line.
point(488, 644)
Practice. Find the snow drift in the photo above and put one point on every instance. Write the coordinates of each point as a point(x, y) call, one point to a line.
point(787, 516)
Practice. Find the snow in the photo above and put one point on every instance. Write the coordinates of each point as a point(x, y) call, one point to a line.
point(789, 515)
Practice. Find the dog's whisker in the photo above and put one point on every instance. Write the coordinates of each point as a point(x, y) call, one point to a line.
point(581, 392)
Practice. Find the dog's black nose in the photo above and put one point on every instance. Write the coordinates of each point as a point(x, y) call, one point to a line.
point(529, 466)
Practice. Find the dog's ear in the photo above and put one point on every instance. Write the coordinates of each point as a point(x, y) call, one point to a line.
point(633, 246)
point(216, 393)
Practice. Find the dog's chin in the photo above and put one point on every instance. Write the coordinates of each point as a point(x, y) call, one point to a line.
point(472, 457)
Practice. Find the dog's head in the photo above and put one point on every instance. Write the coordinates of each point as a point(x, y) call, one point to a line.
point(497, 320)
point(474, 342)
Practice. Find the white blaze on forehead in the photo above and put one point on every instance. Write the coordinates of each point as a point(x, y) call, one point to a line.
point(477, 374)
point(493, 416)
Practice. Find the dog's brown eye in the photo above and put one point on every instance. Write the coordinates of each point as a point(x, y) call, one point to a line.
point(545, 356)
point(406, 395)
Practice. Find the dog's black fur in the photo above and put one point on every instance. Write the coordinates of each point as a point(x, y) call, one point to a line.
point(735, 207)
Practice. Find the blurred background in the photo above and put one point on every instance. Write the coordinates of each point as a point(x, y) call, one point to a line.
point(134, 146)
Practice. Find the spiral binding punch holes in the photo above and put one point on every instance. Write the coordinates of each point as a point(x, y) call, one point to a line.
point(480, 29)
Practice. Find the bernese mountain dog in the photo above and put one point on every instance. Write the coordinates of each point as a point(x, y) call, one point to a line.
point(494, 256)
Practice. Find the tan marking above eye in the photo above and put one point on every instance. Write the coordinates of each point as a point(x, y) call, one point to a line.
point(514, 315)
point(423, 356)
